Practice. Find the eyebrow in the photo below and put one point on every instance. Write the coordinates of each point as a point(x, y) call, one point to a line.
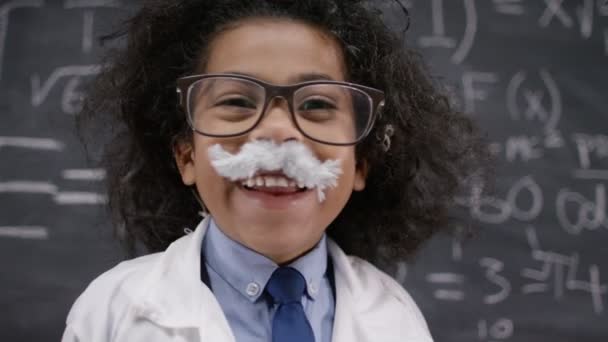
point(309, 76)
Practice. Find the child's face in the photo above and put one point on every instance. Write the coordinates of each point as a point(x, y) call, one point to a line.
point(279, 52)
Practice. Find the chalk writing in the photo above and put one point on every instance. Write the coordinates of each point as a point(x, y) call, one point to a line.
point(28, 187)
point(534, 109)
point(509, 7)
point(589, 146)
point(585, 17)
point(84, 174)
point(32, 143)
point(472, 93)
point(558, 274)
point(554, 9)
point(25, 232)
point(48, 188)
point(555, 12)
point(493, 267)
point(590, 174)
point(88, 18)
point(88, 21)
point(79, 198)
point(450, 279)
point(71, 99)
point(501, 329)
point(588, 214)
point(494, 210)
point(525, 148)
point(41, 91)
point(439, 39)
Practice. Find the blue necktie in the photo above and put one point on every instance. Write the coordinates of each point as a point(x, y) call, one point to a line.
point(286, 287)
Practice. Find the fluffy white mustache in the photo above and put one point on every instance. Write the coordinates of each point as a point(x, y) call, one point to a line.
point(292, 158)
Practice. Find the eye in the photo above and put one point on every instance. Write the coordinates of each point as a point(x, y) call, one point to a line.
point(238, 102)
point(316, 104)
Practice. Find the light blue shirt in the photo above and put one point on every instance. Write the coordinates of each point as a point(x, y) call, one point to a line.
point(238, 276)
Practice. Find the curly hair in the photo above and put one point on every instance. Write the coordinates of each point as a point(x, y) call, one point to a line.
point(409, 188)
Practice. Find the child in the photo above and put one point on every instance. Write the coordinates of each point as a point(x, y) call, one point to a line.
point(265, 152)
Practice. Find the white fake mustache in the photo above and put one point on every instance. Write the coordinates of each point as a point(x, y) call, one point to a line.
point(292, 158)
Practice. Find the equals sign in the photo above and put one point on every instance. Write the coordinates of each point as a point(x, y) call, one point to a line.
point(509, 7)
point(446, 278)
point(81, 197)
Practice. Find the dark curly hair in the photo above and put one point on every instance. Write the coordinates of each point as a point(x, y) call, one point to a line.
point(409, 189)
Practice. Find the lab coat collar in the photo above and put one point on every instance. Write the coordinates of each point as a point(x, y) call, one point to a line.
point(175, 296)
point(239, 265)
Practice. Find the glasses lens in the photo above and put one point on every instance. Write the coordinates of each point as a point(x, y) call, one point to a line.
point(333, 113)
point(224, 105)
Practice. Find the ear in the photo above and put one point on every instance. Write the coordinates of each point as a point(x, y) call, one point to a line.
point(360, 175)
point(183, 152)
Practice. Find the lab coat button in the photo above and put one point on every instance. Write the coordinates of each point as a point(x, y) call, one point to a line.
point(253, 289)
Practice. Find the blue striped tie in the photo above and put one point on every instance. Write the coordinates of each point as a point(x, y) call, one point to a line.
point(286, 287)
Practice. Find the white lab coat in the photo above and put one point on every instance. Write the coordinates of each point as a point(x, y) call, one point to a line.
point(160, 297)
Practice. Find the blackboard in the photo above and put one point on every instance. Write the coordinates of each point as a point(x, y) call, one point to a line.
point(534, 74)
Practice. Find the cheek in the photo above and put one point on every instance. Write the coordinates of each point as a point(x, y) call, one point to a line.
point(346, 179)
point(211, 186)
point(346, 155)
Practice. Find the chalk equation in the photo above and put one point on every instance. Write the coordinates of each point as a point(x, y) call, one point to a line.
point(33, 187)
point(574, 211)
point(583, 17)
point(546, 271)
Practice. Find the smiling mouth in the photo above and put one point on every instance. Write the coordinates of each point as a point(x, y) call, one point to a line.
point(272, 183)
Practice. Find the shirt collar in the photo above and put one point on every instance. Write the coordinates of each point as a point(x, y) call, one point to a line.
point(248, 271)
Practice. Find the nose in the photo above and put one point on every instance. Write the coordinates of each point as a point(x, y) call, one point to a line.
point(277, 124)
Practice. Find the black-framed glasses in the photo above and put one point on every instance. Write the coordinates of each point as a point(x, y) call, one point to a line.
point(229, 105)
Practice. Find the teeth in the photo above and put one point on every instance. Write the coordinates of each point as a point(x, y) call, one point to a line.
point(270, 181)
point(282, 182)
point(259, 181)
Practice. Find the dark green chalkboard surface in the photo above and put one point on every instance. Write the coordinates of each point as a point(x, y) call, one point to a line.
point(533, 73)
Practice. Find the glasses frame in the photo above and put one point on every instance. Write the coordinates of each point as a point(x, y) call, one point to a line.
point(184, 85)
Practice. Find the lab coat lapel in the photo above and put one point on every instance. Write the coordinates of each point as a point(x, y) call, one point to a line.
point(176, 297)
point(346, 326)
